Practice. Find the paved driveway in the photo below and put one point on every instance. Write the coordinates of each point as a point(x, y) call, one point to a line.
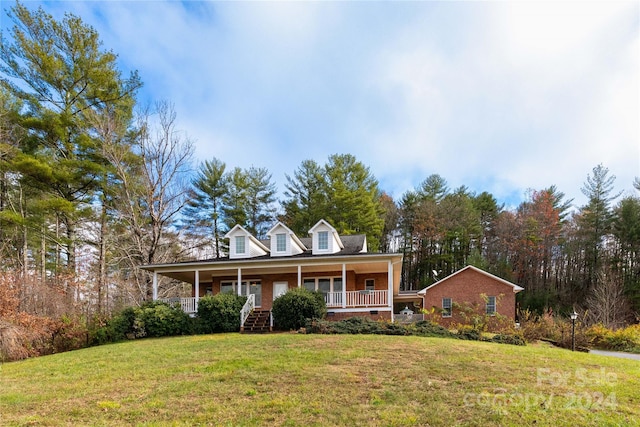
point(616, 354)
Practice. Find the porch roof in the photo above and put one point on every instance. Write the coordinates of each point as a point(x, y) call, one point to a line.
point(220, 267)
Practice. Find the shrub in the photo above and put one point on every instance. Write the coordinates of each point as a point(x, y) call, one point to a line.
point(70, 334)
point(352, 325)
point(25, 335)
point(292, 309)
point(151, 319)
point(159, 319)
point(220, 313)
point(627, 339)
point(466, 332)
point(513, 339)
point(537, 327)
point(426, 328)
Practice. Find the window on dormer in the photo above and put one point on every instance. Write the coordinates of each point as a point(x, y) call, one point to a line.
point(323, 240)
point(240, 244)
point(281, 242)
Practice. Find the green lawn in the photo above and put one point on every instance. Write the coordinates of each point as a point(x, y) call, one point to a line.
point(291, 379)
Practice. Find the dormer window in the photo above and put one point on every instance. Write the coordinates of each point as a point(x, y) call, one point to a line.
point(284, 242)
point(281, 242)
point(323, 240)
point(240, 244)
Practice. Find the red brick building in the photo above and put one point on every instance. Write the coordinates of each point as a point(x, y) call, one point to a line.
point(470, 287)
point(353, 281)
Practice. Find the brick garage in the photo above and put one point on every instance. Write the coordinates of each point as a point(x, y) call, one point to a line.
point(470, 286)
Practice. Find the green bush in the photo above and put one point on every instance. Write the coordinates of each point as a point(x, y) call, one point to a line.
point(469, 333)
point(352, 325)
point(159, 319)
point(513, 339)
point(292, 309)
point(426, 328)
point(220, 313)
point(151, 319)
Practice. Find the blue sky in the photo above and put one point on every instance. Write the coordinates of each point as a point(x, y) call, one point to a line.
point(497, 96)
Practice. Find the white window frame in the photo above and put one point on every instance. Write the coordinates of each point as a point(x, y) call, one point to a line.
point(370, 284)
point(491, 306)
point(447, 309)
point(331, 279)
point(245, 284)
point(241, 243)
point(281, 242)
point(323, 240)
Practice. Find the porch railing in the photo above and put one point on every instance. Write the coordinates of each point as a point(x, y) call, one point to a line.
point(358, 299)
point(333, 299)
point(247, 308)
point(188, 305)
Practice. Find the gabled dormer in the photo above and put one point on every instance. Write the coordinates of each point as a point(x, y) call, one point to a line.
point(325, 239)
point(243, 245)
point(284, 242)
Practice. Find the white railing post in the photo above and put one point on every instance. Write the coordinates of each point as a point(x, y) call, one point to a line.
point(248, 307)
point(155, 285)
point(344, 285)
point(197, 291)
point(390, 287)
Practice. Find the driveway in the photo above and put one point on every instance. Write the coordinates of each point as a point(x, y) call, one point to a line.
point(616, 354)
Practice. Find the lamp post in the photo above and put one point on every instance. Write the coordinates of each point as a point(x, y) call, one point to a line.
point(574, 316)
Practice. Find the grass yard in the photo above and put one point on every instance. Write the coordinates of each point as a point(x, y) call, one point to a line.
point(300, 380)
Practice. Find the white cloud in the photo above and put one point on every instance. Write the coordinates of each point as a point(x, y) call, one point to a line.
point(498, 96)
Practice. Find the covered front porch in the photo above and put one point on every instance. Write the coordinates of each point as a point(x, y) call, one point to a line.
point(346, 300)
point(361, 284)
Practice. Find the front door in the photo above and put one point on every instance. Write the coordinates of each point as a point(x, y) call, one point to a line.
point(279, 288)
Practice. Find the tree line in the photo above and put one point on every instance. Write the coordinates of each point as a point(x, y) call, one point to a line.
point(93, 185)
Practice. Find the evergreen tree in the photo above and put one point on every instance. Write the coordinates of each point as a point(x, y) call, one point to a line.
point(353, 198)
point(204, 211)
point(261, 193)
point(626, 229)
point(236, 199)
point(344, 192)
point(62, 74)
point(306, 197)
point(595, 219)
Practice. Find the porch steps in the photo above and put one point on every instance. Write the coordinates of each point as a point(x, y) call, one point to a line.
point(257, 322)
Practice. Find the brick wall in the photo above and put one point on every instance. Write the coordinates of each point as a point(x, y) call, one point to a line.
point(468, 287)
point(354, 282)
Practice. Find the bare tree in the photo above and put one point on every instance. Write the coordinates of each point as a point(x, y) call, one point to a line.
point(607, 303)
point(153, 190)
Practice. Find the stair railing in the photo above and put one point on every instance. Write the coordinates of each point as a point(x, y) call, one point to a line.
point(247, 308)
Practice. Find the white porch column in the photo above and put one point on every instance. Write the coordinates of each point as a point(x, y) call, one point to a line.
point(155, 285)
point(239, 281)
point(344, 285)
point(390, 287)
point(299, 276)
point(197, 286)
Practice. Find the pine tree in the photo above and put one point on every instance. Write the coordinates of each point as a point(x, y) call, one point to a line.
point(204, 212)
point(595, 219)
point(62, 74)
